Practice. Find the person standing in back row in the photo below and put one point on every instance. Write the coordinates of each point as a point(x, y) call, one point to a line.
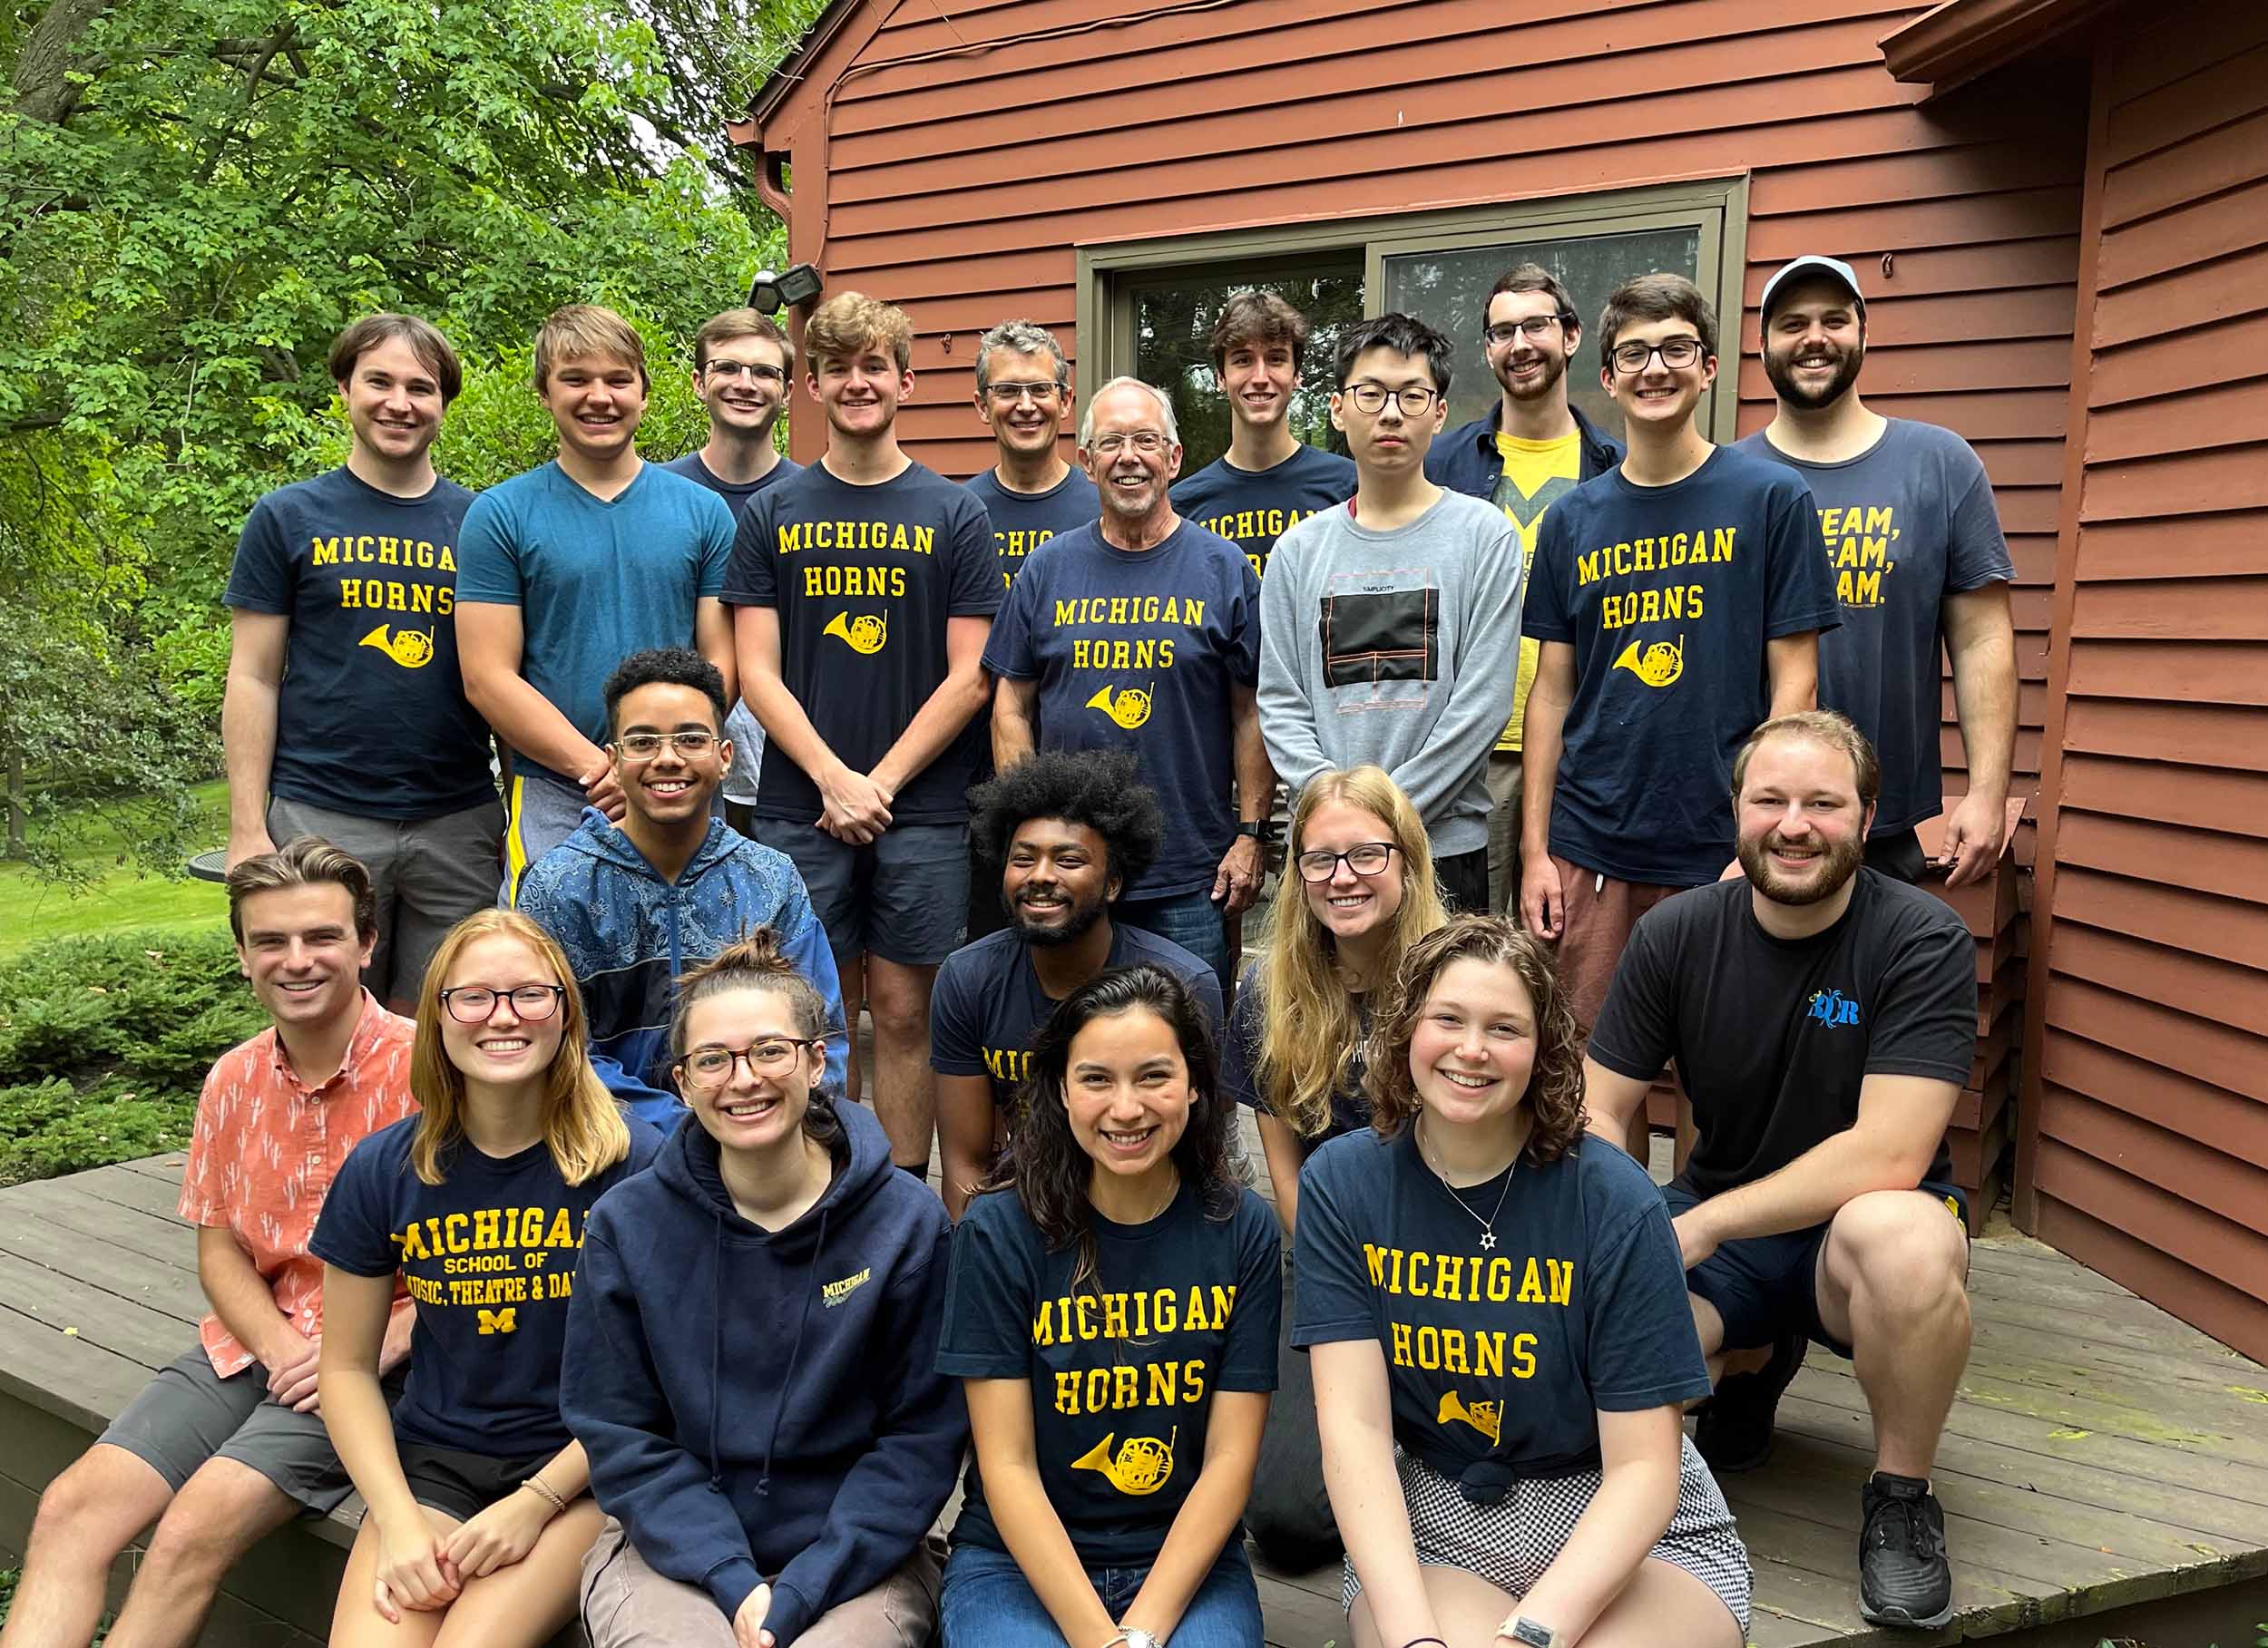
point(864, 589)
point(1914, 543)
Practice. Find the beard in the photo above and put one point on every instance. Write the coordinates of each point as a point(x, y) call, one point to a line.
point(1554, 369)
point(1780, 369)
point(1838, 864)
point(1076, 925)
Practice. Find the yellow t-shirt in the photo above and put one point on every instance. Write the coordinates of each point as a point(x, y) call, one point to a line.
point(1535, 473)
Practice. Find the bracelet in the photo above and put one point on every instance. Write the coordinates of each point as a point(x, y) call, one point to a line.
point(1420, 1642)
point(543, 1490)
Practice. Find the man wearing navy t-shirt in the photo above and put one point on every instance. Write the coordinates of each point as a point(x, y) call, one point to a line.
point(1142, 632)
point(1823, 1019)
point(344, 715)
point(863, 589)
point(1061, 833)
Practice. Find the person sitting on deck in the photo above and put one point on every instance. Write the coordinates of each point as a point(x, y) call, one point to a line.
point(635, 904)
point(476, 1523)
point(1824, 1018)
point(751, 1358)
point(1113, 1309)
point(1070, 832)
point(227, 1444)
point(1362, 892)
point(1502, 1351)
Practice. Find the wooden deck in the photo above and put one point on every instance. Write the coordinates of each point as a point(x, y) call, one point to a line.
point(2102, 1455)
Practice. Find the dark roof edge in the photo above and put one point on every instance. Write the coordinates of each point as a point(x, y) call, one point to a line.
point(789, 74)
point(1958, 40)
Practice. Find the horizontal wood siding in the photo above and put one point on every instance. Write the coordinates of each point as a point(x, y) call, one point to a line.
point(2144, 1149)
point(960, 183)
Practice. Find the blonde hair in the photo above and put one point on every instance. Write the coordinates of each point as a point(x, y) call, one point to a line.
point(578, 329)
point(582, 1124)
point(1310, 1030)
point(851, 322)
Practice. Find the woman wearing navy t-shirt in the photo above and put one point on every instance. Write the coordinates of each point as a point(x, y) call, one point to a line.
point(477, 1521)
point(1502, 1350)
point(1112, 1311)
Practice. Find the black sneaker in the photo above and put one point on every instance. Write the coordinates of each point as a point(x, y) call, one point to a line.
point(1734, 1429)
point(1903, 1577)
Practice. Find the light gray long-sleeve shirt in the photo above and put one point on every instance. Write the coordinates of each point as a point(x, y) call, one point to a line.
point(1398, 649)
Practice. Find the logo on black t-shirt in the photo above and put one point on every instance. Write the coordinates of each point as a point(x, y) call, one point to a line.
point(1487, 1417)
point(1141, 1466)
point(1832, 1007)
point(411, 649)
point(867, 633)
point(1658, 666)
point(1130, 709)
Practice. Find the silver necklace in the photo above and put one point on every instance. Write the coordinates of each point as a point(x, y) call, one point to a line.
point(1487, 1225)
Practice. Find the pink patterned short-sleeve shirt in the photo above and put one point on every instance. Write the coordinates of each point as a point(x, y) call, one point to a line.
point(267, 1147)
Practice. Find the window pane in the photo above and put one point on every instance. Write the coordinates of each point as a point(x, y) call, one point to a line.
point(1173, 329)
point(1447, 288)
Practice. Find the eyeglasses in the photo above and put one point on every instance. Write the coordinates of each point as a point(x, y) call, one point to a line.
point(1537, 327)
point(710, 1068)
point(1415, 400)
point(476, 1003)
point(1677, 353)
point(1148, 443)
point(1008, 395)
point(1364, 858)
point(645, 746)
point(732, 369)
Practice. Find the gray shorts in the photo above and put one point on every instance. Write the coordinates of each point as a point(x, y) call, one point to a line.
point(904, 897)
point(187, 1414)
point(539, 816)
point(429, 874)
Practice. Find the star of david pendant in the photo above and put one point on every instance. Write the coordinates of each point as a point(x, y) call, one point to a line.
point(1488, 1240)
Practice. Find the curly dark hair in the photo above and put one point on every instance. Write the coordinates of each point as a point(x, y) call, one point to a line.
point(1554, 1088)
point(1099, 788)
point(664, 665)
point(1044, 1165)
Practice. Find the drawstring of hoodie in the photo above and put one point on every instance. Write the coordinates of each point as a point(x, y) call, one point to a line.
point(794, 1354)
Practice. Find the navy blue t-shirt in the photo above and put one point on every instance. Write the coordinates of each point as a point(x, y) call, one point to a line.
point(371, 718)
point(488, 1257)
point(1022, 521)
point(1253, 508)
point(1123, 1366)
point(864, 579)
point(1139, 649)
point(1241, 1067)
point(1508, 1352)
point(735, 492)
point(987, 1005)
point(1668, 594)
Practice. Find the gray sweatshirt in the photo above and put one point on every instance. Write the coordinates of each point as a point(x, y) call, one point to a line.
point(1397, 648)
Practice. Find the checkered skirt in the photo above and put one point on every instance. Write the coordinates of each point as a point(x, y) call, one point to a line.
point(1511, 1543)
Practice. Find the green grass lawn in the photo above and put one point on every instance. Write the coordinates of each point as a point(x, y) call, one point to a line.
point(122, 899)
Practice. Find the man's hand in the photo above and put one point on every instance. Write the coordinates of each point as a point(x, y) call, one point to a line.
point(748, 1625)
point(1542, 900)
point(1974, 832)
point(248, 843)
point(602, 788)
point(292, 1372)
point(857, 808)
point(1695, 1240)
point(1237, 882)
point(500, 1535)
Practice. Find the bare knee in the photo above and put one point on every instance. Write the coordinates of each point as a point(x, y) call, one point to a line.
point(1900, 1253)
point(220, 1513)
point(98, 1505)
point(898, 998)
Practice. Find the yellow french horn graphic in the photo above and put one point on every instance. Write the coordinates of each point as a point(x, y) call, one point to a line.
point(1141, 1466)
point(411, 649)
point(1130, 709)
point(1658, 666)
point(1487, 1417)
point(865, 633)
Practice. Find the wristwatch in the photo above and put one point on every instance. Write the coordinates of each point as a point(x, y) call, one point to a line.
point(1137, 1638)
point(1525, 1630)
point(1262, 829)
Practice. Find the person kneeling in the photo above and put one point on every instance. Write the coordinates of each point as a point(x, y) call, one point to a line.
point(1113, 1309)
point(476, 1524)
point(749, 1356)
point(1501, 1378)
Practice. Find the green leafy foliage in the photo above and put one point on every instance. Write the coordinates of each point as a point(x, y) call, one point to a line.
point(104, 1044)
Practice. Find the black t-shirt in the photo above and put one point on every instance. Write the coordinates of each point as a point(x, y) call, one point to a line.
point(488, 1257)
point(1122, 1367)
point(1022, 521)
point(1252, 508)
point(1773, 1036)
point(864, 579)
point(1499, 1358)
point(371, 718)
point(735, 492)
point(1240, 1066)
point(987, 1006)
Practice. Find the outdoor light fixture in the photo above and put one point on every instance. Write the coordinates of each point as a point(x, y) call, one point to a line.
point(772, 293)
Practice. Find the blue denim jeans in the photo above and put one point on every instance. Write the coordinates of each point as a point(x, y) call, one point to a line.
point(1190, 920)
point(988, 1602)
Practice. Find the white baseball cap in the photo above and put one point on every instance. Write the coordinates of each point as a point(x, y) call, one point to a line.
point(1795, 269)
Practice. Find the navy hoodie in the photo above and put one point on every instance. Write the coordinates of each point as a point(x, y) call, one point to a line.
point(764, 1406)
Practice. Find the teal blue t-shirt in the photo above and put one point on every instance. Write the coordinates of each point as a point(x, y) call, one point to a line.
point(595, 580)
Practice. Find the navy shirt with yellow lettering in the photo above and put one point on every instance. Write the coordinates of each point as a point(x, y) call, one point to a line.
point(1668, 595)
point(371, 717)
point(1504, 1342)
point(1252, 508)
point(488, 1257)
point(1123, 1366)
point(1022, 521)
point(864, 579)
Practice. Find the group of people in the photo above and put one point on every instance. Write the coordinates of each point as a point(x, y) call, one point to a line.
point(778, 746)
